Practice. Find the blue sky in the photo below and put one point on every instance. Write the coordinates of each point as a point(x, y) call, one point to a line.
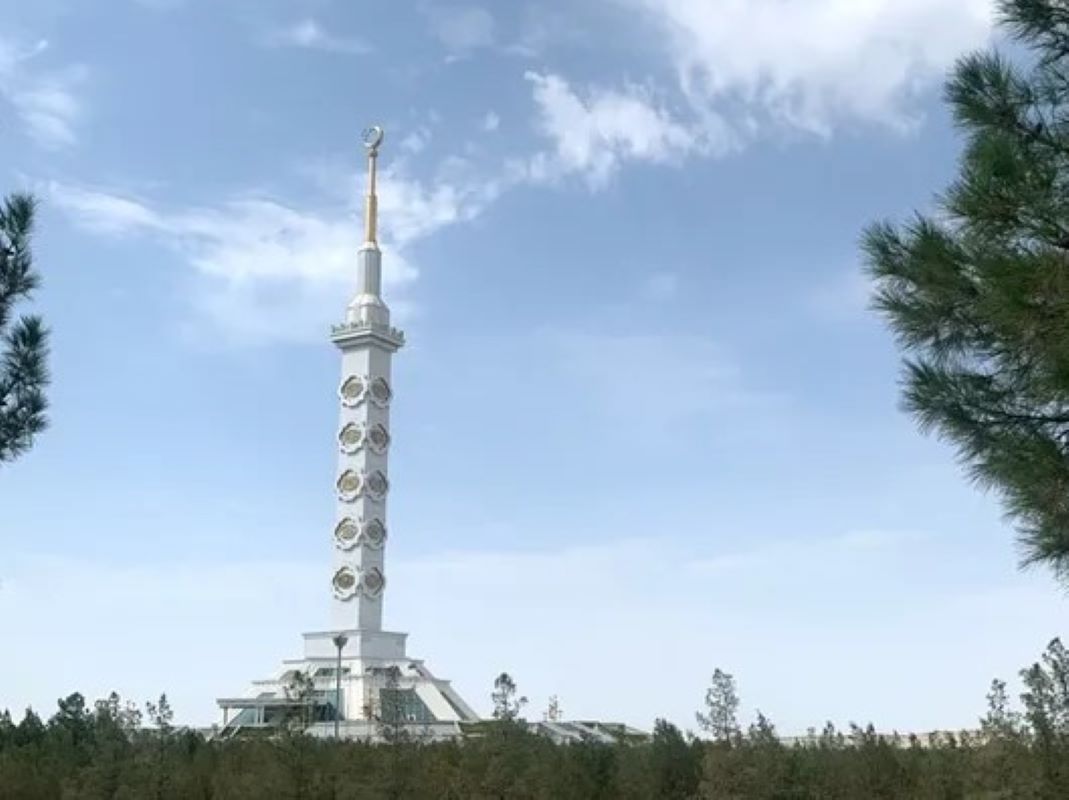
point(644, 426)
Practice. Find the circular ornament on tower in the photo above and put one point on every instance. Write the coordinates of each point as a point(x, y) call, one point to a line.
point(349, 485)
point(374, 534)
point(345, 583)
point(377, 485)
point(351, 437)
point(381, 393)
point(378, 439)
point(352, 390)
point(347, 533)
point(373, 582)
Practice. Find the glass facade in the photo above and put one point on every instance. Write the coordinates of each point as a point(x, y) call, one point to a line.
point(403, 705)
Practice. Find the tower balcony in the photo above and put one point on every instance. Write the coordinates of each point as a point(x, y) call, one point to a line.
point(354, 334)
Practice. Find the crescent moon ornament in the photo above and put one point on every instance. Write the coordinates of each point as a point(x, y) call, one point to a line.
point(373, 137)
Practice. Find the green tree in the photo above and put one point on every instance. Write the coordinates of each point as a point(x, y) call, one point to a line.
point(30, 731)
point(978, 292)
point(1000, 721)
point(23, 343)
point(73, 722)
point(720, 719)
point(675, 764)
point(300, 689)
point(1046, 705)
point(389, 717)
point(7, 729)
point(161, 715)
point(1003, 761)
point(507, 705)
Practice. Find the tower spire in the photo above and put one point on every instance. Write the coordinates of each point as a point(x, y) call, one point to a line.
point(372, 137)
point(368, 307)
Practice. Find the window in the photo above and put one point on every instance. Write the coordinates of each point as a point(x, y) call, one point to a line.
point(403, 705)
point(329, 672)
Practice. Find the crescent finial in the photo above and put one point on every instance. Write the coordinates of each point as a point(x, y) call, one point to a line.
point(372, 138)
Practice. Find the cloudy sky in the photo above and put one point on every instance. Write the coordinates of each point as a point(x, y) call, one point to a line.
point(644, 426)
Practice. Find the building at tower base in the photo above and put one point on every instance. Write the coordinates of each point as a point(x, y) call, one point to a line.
point(362, 690)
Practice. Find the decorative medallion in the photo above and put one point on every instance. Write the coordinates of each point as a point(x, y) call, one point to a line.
point(352, 390)
point(347, 533)
point(349, 485)
point(374, 534)
point(372, 582)
point(345, 583)
point(351, 437)
point(378, 438)
point(377, 485)
point(381, 392)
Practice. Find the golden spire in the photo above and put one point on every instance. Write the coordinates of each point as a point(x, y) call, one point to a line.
point(372, 139)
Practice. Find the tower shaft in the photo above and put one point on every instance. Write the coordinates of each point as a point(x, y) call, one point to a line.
point(367, 344)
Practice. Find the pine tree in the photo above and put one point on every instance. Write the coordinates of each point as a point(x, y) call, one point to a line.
point(1046, 704)
point(389, 718)
point(507, 706)
point(23, 343)
point(300, 689)
point(676, 766)
point(978, 293)
point(720, 719)
point(1001, 721)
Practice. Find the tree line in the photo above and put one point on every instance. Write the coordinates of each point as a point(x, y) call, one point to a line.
point(112, 750)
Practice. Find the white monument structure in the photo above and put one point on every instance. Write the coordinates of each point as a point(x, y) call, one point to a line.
point(356, 678)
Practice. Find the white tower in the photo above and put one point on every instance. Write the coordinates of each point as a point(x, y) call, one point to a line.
point(356, 677)
point(367, 343)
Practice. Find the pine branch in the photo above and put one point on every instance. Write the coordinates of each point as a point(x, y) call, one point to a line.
point(24, 353)
point(979, 301)
point(1043, 24)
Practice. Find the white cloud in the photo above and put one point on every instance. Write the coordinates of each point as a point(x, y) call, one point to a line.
point(463, 28)
point(813, 64)
point(271, 271)
point(416, 141)
point(104, 212)
point(310, 35)
point(593, 135)
point(748, 67)
point(491, 122)
point(45, 101)
point(411, 209)
point(268, 271)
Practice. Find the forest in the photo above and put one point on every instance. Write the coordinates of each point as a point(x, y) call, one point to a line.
point(118, 750)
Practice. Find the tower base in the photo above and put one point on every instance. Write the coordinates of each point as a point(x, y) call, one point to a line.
point(382, 693)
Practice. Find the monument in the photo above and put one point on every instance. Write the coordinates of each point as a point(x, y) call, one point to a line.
point(355, 679)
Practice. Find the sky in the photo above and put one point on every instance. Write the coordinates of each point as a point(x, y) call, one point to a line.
point(645, 425)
